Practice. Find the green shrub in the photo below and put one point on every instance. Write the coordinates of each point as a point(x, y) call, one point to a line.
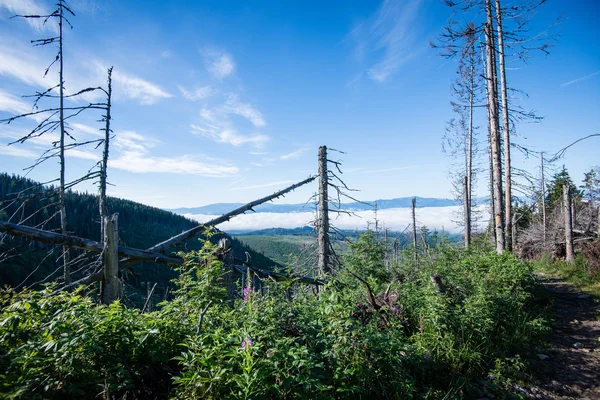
point(283, 343)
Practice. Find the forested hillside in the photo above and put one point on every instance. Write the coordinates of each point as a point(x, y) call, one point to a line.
point(140, 226)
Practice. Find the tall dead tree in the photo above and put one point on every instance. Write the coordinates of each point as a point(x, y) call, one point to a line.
point(505, 129)
point(467, 213)
point(568, 224)
point(492, 98)
point(104, 163)
point(414, 227)
point(53, 119)
point(459, 140)
point(111, 288)
point(324, 246)
point(543, 193)
point(61, 119)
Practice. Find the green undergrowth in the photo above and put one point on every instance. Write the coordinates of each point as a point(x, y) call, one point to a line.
point(577, 273)
point(284, 341)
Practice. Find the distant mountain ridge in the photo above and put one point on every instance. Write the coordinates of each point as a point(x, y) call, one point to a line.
point(401, 202)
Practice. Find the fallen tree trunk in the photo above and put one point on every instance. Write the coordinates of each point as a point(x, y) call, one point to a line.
point(175, 240)
point(85, 244)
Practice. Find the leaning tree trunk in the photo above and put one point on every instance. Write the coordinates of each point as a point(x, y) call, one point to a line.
point(323, 262)
point(568, 224)
point(494, 132)
point(505, 127)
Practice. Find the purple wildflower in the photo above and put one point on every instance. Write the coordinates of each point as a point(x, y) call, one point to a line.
point(247, 342)
point(247, 293)
point(427, 357)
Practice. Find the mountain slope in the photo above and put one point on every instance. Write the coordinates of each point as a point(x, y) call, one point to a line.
point(401, 202)
point(140, 226)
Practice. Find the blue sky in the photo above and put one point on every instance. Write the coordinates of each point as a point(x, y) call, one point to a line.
point(228, 101)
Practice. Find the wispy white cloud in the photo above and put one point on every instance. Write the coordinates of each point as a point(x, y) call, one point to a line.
point(294, 154)
point(278, 183)
point(23, 64)
point(13, 104)
point(229, 135)
point(583, 78)
point(217, 125)
point(27, 7)
point(15, 151)
point(234, 106)
point(139, 89)
point(388, 37)
point(142, 163)
point(198, 93)
point(134, 155)
point(133, 87)
point(219, 63)
point(88, 130)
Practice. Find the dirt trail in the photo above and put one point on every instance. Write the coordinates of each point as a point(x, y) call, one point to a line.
point(572, 367)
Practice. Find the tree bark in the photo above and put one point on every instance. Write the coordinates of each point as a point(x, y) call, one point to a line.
point(110, 289)
point(543, 184)
point(61, 155)
point(568, 224)
point(323, 261)
point(467, 213)
point(103, 166)
point(469, 189)
point(505, 127)
point(85, 244)
point(494, 132)
point(414, 226)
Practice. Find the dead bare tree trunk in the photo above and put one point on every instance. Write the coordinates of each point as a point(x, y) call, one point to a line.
point(228, 264)
point(323, 261)
point(568, 224)
point(505, 127)
point(414, 226)
point(494, 131)
point(147, 305)
point(467, 213)
point(598, 223)
point(103, 166)
point(111, 289)
point(61, 156)
point(543, 184)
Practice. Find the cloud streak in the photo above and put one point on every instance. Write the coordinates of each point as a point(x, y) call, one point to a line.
point(145, 92)
point(234, 106)
point(27, 7)
point(293, 154)
point(198, 93)
point(583, 78)
point(135, 156)
point(387, 37)
point(229, 135)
